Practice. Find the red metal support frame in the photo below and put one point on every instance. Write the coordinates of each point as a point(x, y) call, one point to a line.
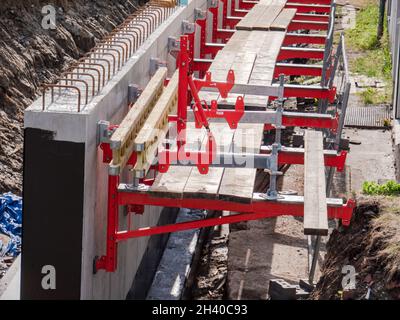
point(313, 2)
point(307, 25)
point(310, 92)
point(218, 34)
point(206, 49)
point(311, 17)
point(297, 70)
point(252, 211)
point(228, 21)
point(337, 161)
point(247, 5)
point(237, 12)
point(287, 53)
point(308, 8)
point(109, 261)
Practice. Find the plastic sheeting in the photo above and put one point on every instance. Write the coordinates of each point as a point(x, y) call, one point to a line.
point(10, 224)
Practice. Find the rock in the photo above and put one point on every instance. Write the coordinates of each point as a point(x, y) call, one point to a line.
point(30, 55)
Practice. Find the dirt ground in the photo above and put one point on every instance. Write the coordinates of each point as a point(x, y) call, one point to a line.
point(371, 246)
point(277, 248)
point(31, 56)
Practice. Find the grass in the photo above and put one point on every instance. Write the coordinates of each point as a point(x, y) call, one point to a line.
point(375, 96)
point(375, 60)
point(390, 188)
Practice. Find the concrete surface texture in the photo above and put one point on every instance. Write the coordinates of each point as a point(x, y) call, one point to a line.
point(371, 156)
point(174, 267)
point(110, 105)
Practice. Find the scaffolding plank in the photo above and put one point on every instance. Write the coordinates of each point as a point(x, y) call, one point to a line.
point(237, 184)
point(206, 186)
point(156, 126)
point(268, 16)
point(315, 208)
point(172, 183)
point(283, 20)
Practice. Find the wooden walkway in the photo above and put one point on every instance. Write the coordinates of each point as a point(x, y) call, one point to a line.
point(252, 54)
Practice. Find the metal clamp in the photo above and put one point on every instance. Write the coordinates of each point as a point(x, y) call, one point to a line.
point(156, 63)
point(187, 27)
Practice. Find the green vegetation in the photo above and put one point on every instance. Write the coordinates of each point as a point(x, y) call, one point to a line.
point(390, 188)
point(375, 96)
point(375, 60)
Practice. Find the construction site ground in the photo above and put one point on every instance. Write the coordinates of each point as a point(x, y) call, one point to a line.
point(240, 259)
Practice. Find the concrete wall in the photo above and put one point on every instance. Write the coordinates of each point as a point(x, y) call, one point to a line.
point(394, 37)
point(111, 105)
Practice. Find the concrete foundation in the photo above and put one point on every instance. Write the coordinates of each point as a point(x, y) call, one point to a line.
point(69, 130)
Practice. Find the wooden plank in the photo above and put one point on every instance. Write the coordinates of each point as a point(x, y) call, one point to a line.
point(315, 207)
point(238, 184)
point(201, 186)
point(248, 21)
point(122, 141)
point(172, 183)
point(283, 20)
point(156, 126)
point(264, 66)
point(267, 17)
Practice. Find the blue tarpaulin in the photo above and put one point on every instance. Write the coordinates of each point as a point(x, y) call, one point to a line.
point(10, 223)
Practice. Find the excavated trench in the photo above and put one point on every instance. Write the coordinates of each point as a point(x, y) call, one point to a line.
point(31, 56)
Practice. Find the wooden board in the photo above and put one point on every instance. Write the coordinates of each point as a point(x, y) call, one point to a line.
point(238, 183)
point(268, 16)
point(123, 138)
point(156, 126)
point(172, 183)
point(315, 207)
point(283, 20)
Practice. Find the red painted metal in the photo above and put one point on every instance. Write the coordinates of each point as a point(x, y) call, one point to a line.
point(107, 152)
point(235, 12)
point(334, 161)
point(304, 8)
point(202, 159)
point(247, 5)
point(314, 2)
point(109, 261)
point(254, 211)
point(228, 22)
point(321, 123)
point(307, 25)
point(303, 38)
point(310, 92)
point(183, 97)
point(311, 17)
point(218, 34)
point(286, 54)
